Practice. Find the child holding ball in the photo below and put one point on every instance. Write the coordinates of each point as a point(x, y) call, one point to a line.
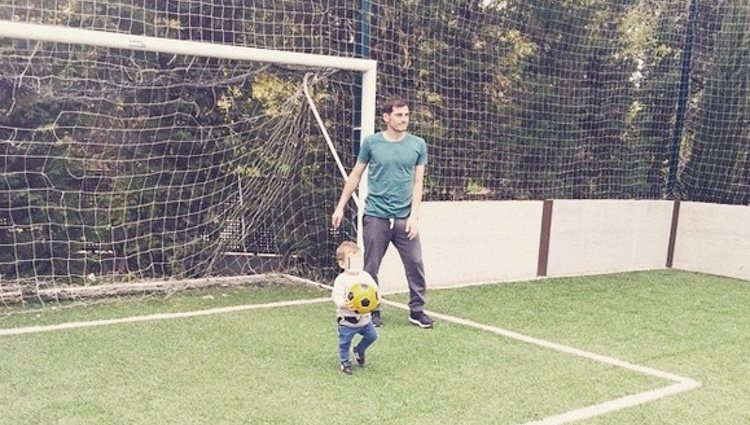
point(349, 258)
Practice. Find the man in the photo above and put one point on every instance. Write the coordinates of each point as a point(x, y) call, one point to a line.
point(396, 160)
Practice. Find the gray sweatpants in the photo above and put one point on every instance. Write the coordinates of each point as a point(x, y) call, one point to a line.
point(378, 233)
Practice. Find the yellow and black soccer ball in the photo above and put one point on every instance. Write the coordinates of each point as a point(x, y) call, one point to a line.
point(363, 297)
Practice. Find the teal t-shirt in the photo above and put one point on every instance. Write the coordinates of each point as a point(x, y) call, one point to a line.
point(390, 175)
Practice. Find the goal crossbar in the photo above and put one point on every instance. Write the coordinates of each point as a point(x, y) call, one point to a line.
point(60, 34)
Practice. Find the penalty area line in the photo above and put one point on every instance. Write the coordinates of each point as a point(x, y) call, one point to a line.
point(679, 384)
point(155, 317)
point(617, 404)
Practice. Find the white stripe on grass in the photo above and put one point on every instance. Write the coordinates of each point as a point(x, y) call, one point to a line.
point(679, 384)
point(617, 404)
point(154, 317)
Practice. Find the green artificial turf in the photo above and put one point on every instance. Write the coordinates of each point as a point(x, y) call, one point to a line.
point(279, 366)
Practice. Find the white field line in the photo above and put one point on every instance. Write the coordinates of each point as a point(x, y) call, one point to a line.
point(679, 384)
point(616, 404)
point(154, 317)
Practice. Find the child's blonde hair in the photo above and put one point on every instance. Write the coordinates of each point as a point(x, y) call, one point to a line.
point(346, 248)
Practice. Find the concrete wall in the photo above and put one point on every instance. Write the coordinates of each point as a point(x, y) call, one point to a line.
point(603, 236)
point(713, 238)
point(472, 242)
point(496, 241)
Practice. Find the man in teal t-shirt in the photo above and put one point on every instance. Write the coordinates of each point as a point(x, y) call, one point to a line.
point(395, 160)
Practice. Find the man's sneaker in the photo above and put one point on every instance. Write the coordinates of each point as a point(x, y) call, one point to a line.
point(359, 357)
point(346, 368)
point(420, 319)
point(376, 319)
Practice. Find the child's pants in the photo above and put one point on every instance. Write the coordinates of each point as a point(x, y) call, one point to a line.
point(346, 334)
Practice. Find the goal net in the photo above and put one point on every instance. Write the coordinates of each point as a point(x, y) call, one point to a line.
point(137, 164)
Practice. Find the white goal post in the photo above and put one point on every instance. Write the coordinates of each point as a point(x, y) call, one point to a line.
point(367, 67)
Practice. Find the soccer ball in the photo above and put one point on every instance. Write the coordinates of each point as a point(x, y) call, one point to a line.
point(364, 297)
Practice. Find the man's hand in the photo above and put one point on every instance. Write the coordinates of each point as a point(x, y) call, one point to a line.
point(412, 227)
point(336, 217)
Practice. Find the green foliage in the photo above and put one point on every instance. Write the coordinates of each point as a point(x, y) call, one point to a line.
point(43, 216)
point(717, 142)
point(517, 99)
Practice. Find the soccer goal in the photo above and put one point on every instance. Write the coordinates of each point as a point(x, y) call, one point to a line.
point(134, 158)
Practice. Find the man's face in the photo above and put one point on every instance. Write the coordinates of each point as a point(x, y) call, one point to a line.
point(398, 119)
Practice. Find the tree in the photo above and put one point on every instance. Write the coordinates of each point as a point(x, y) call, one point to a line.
point(717, 145)
point(573, 100)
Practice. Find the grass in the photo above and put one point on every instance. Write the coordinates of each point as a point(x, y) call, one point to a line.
point(694, 325)
point(279, 366)
point(54, 313)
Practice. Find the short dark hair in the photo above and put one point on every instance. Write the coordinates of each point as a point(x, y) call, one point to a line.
point(392, 103)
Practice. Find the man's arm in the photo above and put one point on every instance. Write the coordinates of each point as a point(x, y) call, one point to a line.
point(412, 223)
point(349, 187)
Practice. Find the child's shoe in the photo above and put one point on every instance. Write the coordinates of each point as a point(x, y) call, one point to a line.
point(346, 368)
point(359, 357)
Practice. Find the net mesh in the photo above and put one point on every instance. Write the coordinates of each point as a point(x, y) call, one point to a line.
point(128, 166)
point(716, 146)
point(120, 163)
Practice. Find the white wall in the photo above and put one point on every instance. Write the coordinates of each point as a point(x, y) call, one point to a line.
point(713, 238)
point(472, 242)
point(603, 236)
point(497, 241)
